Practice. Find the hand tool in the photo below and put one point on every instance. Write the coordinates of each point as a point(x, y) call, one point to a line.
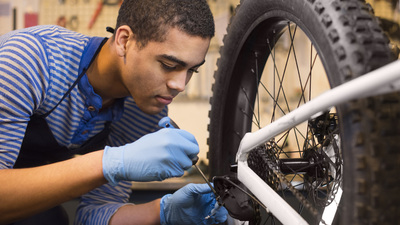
point(215, 209)
point(96, 14)
point(99, 8)
point(194, 161)
point(169, 123)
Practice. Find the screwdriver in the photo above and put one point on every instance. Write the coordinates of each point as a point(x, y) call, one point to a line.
point(169, 123)
point(194, 161)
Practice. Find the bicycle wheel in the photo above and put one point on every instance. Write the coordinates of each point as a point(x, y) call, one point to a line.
point(278, 55)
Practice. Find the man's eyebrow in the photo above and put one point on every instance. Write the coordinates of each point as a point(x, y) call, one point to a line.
point(180, 62)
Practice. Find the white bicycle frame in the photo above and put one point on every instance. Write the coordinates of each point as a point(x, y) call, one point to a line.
point(383, 80)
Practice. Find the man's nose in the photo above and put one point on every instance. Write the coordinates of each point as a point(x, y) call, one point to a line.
point(178, 81)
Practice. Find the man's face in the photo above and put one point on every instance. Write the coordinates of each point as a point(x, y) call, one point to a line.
point(158, 72)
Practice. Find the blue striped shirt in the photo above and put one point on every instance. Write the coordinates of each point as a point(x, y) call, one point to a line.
point(37, 67)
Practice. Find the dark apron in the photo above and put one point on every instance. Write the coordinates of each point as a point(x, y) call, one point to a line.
point(39, 146)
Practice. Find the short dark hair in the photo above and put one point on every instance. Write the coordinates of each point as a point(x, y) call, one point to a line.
point(151, 19)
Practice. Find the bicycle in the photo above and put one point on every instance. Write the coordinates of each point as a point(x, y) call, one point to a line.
point(312, 146)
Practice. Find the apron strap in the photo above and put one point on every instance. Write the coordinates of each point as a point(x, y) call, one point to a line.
point(39, 146)
point(87, 59)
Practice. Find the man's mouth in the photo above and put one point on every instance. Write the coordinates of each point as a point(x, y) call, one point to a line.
point(165, 100)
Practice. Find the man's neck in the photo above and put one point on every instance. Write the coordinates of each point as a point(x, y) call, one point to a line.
point(103, 75)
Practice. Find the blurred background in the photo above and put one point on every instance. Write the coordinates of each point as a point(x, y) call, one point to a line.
point(190, 109)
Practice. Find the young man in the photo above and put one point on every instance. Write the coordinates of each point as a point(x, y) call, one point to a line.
point(64, 93)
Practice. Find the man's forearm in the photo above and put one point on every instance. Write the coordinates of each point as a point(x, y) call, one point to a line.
point(142, 214)
point(25, 192)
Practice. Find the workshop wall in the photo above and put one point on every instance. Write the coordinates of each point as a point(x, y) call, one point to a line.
point(17, 14)
point(90, 17)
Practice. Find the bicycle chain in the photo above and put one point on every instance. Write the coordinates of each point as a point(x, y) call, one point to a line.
point(264, 162)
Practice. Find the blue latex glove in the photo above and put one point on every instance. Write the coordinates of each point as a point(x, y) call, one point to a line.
point(154, 157)
point(190, 205)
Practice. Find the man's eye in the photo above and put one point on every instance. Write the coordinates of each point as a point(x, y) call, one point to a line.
point(194, 70)
point(167, 67)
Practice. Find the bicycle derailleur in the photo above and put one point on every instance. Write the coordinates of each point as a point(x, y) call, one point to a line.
point(235, 197)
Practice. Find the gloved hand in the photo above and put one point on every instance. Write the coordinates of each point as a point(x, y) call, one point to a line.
point(156, 156)
point(190, 205)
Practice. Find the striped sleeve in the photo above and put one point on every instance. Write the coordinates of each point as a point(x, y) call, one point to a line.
point(23, 80)
point(98, 206)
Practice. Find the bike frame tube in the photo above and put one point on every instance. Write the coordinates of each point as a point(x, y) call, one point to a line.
point(380, 81)
point(274, 203)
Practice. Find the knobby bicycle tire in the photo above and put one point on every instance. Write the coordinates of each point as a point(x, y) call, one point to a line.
point(349, 43)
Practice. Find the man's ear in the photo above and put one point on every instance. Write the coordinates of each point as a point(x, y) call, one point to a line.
point(123, 35)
